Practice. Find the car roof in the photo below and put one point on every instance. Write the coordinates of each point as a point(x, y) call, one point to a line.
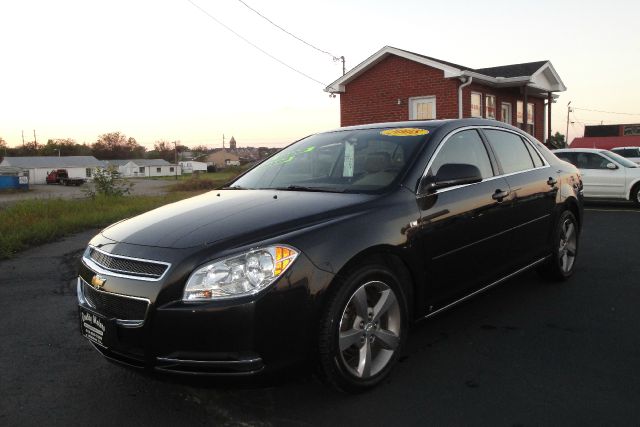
point(575, 150)
point(430, 124)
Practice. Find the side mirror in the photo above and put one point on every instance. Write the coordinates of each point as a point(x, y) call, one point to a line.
point(611, 166)
point(450, 175)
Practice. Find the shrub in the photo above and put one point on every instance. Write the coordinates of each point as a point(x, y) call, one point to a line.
point(107, 182)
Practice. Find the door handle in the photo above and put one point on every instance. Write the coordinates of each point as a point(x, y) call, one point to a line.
point(552, 181)
point(499, 195)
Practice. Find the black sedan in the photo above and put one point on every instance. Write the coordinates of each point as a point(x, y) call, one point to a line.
point(324, 253)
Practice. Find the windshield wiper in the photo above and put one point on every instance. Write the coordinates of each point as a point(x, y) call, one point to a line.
point(310, 189)
point(236, 187)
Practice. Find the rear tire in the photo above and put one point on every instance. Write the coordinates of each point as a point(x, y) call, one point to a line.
point(364, 329)
point(635, 195)
point(561, 264)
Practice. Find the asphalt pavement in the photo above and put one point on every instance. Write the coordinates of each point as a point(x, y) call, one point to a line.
point(527, 353)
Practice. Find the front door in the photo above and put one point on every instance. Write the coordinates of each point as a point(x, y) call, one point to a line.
point(505, 114)
point(463, 230)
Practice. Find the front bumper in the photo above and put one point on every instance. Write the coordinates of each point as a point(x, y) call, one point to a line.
point(245, 336)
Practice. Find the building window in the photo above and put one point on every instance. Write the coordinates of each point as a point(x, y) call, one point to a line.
point(530, 122)
point(476, 104)
point(519, 113)
point(422, 108)
point(171, 169)
point(88, 172)
point(141, 169)
point(490, 106)
point(506, 114)
point(158, 170)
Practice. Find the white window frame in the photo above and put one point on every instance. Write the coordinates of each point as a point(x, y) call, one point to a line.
point(520, 106)
point(495, 106)
point(510, 118)
point(471, 104)
point(413, 106)
point(533, 118)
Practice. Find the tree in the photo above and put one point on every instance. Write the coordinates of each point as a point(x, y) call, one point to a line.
point(115, 145)
point(557, 141)
point(166, 150)
point(3, 148)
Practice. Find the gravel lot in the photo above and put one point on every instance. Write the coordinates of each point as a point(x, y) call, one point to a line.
point(527, 353)
point(43, 191)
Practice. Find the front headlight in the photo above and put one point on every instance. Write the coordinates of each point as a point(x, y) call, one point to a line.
point(240, 275)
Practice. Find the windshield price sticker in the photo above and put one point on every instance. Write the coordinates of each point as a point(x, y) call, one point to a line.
point(404, 132)
point(349, 159)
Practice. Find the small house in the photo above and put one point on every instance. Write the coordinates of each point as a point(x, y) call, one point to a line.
point(134, 168)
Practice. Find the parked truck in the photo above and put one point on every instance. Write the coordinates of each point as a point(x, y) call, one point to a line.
point(60, 176)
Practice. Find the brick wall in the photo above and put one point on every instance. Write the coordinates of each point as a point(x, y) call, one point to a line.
point(373, 96)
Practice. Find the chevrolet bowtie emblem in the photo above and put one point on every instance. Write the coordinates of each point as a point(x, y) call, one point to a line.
point(97, 281)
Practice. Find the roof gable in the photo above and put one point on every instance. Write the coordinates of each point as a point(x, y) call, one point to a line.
point(539, 74)
point(53, 162)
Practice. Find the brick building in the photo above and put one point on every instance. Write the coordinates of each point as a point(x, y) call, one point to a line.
point(609, 136)
point(397, 85)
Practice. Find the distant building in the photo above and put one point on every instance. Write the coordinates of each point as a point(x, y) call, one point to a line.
point(232, 143)
point(608, 136)
point(222, 158)
point(132, 168)
point(39, 167)
point(193, 166)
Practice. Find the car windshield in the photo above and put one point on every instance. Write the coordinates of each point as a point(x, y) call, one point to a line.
point(366, 160)
point(618, 158)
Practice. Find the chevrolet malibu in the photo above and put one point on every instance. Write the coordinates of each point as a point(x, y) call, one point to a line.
point(324, 253)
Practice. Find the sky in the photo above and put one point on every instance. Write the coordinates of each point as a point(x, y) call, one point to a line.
point(165, 70)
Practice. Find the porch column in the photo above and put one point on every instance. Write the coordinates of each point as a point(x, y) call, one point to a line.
point(525, 110)
point(549, 102)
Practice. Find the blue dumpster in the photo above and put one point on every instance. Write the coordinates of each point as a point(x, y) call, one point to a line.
point(13, 179)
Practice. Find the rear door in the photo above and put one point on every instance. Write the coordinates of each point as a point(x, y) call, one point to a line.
point(533, 185)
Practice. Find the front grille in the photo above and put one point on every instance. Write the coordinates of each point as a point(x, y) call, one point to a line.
point(128, 266)
point(115, 306)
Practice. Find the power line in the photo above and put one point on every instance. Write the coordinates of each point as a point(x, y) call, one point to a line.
point(255, 45)
point(335, 57)
point(607, 112)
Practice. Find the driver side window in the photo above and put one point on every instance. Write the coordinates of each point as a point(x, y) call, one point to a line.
point(464, 147)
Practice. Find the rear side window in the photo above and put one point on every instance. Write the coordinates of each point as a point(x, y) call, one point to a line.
point(512, 154)
point(537, 161)
point(567, 157)
point(463, 147)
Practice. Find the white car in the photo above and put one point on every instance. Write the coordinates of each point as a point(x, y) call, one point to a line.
point(631, 153)
point(605, 174)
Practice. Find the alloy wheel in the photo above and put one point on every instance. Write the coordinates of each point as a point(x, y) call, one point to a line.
point(568, 245)
point(369, 331)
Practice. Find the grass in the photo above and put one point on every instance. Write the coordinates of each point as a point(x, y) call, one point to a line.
point(205, 181)
point(33, 222)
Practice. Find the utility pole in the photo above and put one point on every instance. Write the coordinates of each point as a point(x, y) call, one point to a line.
point(340, 58)
point(223, 141)
point(23, 138)
point(566, 136)
point(35, 140)
point(175, 147)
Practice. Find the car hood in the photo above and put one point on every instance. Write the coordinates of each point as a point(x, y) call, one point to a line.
point(231, 214)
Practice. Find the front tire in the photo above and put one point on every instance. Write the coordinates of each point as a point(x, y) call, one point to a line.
point(561, 264)
point(364, 329)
